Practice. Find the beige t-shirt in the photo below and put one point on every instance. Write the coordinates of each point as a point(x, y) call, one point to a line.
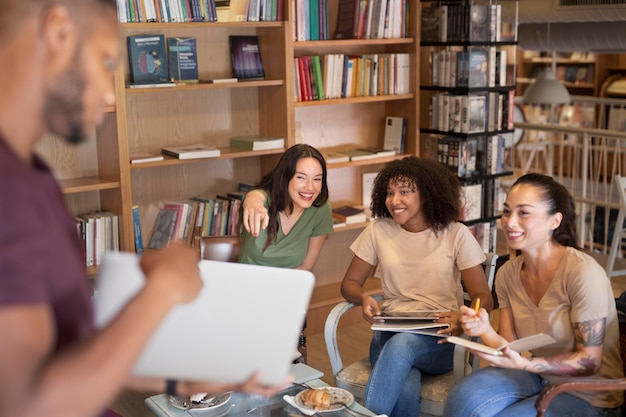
point(579, 291)
point(420, 271)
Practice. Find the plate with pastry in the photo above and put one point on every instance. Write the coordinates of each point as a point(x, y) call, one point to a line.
point(324, 399)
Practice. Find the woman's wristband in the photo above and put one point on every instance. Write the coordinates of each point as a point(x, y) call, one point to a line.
point(170, 386)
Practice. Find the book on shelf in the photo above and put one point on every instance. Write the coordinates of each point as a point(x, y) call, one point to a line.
point(378, 151)
point(349, 214)
point(360, 154)
point(163, 230)
point(429, 26)
point(332, 157)
point(144, 157)
point(346, 19)
point(246, 57)
point(257, 143)
point(194, 151)
point(183, 60)
point(338, 223)
point(367, 184)
point(395, 134)
point(471, 201)
point(520, 345)
point(477, 75)
point(148, 59)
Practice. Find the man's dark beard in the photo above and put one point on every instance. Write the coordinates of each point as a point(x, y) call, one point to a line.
point(64, 109)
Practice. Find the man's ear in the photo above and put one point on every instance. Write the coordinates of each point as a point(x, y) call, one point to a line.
point(59, 32)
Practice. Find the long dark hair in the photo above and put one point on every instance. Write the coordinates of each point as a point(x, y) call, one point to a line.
point(276, 184)
point(559, 200)
point(438, 187)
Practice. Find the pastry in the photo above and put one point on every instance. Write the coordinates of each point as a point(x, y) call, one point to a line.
point(316, 398)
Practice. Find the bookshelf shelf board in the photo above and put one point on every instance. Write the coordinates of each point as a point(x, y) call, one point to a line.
point(109, 109)
point(373, 161)
point(226, 152)
point(463, 135)
point(567, 84)
point(466, 90)
point(206, 86)
point(548, 60)
point(85, 184)
point(342, 43)
point(352, 226)
point(469, 43)
point(201, 25)
point(362, 99)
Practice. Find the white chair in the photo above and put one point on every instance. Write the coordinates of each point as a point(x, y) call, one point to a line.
point(434, 388)
point(619, 232)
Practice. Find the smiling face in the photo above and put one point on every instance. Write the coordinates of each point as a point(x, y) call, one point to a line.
point(306, 183)
point(526, 221)
point(404, 204)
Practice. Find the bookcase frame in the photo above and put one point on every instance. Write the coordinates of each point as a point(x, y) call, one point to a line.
point(98, 175)
point(430, 136)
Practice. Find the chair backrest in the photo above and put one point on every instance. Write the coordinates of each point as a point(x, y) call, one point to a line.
point(218, 248)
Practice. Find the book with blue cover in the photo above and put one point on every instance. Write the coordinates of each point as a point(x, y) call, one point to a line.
point(147, 59)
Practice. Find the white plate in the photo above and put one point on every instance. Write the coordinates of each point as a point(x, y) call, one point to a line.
point(214, 402)
point(339, 399)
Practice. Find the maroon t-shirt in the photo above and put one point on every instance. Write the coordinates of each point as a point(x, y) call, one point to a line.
point(41, 259)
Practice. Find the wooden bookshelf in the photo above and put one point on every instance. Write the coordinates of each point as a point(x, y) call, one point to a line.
point(98, 175)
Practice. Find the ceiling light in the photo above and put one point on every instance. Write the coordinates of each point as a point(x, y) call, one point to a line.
point(546, 90)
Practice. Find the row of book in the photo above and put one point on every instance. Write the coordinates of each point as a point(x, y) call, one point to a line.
point(136, 11)
point(372, 19)
point(472, 113)
point(99, 233)
point(153, 65)
point(471, 67)
point(486, 234)
point(341, 76)
point(312, 22)
point(198, 216)
point(480, 199)
point(462, 22)
point(473, 156)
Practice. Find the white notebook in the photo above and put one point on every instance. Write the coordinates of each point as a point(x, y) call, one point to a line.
point(246, 318)
point(520, 345)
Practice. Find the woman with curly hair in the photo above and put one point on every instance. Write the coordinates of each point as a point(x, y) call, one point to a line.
point(422, 254)
point(287, 216)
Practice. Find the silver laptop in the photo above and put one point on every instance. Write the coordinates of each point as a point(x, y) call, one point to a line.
point(246, 318)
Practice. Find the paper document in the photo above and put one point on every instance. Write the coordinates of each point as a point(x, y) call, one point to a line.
point(520, 345)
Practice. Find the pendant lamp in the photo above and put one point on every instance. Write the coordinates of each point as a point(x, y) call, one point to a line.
point(546, 90)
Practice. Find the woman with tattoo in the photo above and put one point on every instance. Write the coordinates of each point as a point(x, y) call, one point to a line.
point(550, 287)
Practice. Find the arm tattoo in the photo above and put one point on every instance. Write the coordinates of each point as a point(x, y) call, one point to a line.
point(587, 333)
point(591, 332)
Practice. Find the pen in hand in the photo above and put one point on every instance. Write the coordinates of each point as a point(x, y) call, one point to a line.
point(477, 307)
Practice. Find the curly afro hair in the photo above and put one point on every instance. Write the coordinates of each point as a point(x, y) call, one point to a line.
point(438, 187)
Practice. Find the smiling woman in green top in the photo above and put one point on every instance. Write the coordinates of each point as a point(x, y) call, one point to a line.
point(287, 218)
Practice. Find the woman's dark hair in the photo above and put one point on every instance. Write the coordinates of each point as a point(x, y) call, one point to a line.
point(276, 184)
point(559, 200)
point(438, 187)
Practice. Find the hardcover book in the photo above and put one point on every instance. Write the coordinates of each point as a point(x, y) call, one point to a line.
point(194, 151)
point(163, 231)
point(395, 133)
point(143, 157)
point(183, 60)
point(478, 65)
point(332, 157)
point(246, 57)
point(147, 59)
point(349, 214)
point(256, 143)
point(471, 202)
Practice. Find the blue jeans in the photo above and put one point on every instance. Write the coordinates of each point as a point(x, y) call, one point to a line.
point(398, 361)
point(503, 392)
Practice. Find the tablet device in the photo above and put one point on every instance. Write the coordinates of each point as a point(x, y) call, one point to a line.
point(246, 318)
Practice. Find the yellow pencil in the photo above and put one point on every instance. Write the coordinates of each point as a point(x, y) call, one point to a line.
point(477, 306)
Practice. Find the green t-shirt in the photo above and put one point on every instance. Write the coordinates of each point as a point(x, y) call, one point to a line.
point(287, 251)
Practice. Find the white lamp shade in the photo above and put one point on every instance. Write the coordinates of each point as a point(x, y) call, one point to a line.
point(546, 90)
